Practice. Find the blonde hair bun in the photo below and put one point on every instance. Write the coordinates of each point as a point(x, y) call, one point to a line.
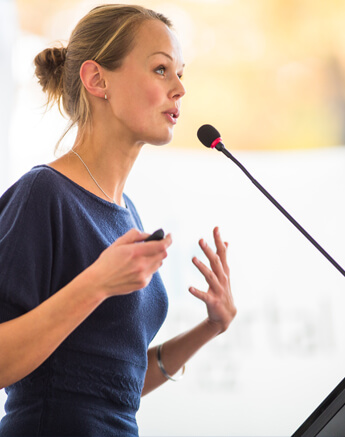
point(49, 71)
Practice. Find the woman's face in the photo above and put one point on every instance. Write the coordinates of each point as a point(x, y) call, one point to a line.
point(145, 92)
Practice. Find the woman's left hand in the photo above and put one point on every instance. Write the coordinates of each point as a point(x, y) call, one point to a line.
point(218, 299)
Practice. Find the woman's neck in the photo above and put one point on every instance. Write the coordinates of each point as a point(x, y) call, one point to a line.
point(106, 159)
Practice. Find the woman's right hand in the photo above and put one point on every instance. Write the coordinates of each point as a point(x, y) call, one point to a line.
point(129, 263)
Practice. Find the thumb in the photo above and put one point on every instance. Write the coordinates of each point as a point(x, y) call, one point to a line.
point(132, 236)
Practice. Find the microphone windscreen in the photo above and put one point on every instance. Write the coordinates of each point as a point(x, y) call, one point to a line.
point(207, 134)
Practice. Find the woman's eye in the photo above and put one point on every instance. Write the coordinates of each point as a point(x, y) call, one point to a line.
point(160, 70)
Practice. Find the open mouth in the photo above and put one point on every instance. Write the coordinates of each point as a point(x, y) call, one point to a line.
point(172, 117)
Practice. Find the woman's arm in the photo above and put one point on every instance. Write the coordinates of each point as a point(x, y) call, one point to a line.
point(27, 341)
point(176, 352)
point(221, 311)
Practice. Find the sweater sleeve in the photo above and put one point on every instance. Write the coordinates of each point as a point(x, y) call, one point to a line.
point(25, 247)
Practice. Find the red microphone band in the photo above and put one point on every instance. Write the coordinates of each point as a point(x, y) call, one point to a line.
point(215, 142)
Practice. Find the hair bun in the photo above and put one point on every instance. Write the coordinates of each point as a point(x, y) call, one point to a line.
point(49, 70)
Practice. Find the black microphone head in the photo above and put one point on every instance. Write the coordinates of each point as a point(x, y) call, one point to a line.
point(207, 134)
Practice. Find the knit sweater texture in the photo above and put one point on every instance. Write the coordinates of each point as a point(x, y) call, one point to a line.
point(51, 229)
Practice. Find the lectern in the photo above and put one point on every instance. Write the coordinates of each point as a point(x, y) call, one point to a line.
point(328, 420)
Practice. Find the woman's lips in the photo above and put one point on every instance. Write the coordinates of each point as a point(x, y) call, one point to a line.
point(172, 115)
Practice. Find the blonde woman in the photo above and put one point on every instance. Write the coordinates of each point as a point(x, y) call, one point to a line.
point(80, 295)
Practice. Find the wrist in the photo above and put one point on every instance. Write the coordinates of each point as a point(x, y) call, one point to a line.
point(91, 286)
point(213, 327)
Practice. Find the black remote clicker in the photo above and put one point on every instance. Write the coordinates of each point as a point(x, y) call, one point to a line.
point(158, 235)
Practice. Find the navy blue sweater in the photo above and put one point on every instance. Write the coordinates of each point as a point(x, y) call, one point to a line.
point(51, 229)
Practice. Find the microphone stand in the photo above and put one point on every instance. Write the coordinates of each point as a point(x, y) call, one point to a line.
point(220, 147)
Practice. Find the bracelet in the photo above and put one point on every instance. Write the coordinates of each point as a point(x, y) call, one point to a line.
point(162, 368)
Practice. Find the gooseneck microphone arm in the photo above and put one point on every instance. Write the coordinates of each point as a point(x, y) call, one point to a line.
point(210, 137)
point(282, 210)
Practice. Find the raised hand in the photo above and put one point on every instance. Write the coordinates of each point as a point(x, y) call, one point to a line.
point(218, 298)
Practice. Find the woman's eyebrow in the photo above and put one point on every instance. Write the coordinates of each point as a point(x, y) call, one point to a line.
point(164, 54)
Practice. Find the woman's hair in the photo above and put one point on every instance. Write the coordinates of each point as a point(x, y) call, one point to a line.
point(105, 35)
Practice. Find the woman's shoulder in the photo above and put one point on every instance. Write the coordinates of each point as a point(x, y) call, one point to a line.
point(40, 176)
point(43, 178)
point(41, 182)
point(39, 188)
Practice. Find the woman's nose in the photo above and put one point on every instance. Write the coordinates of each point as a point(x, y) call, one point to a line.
point(179, 90)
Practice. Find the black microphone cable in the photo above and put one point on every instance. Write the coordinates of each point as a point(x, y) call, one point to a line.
point(210, 137)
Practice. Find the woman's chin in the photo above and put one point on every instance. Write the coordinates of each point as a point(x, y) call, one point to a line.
point(162, 141)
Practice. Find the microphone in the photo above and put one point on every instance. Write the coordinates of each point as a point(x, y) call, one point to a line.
point(210, 137)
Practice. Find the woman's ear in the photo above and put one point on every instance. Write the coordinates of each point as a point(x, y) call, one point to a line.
point(91, 75)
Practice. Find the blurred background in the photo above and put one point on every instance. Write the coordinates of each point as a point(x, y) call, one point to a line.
point(270, 75)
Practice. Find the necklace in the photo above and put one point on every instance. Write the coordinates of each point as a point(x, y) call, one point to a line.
point(87, 168)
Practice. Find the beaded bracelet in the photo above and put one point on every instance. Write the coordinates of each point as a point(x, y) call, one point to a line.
point(162, 368)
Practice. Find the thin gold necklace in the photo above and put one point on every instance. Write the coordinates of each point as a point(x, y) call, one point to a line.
point(88, 170)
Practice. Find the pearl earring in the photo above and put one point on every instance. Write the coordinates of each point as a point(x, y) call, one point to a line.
point(105, 97)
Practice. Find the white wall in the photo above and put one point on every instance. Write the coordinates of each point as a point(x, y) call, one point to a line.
point(285, 350)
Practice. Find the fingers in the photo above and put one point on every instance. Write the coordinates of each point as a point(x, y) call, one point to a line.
point(154, 247)
point(145, 256)
point(147, 249)
point(198, 294)
point(218, 298)
point(129, 263)
point(155, 251)
point(221, 249)
point(214, 259)
point(217, 260)
point(217, 276)
point(210, 277)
